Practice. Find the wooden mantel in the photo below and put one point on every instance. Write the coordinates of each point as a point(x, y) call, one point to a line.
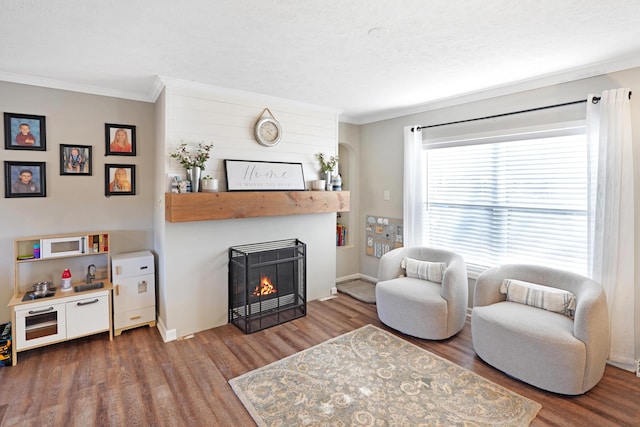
point(186, 207)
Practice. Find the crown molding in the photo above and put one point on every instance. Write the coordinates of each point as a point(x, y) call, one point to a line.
point(172, 82)
point(158, 87)
point(77, 87)
point(566, 76)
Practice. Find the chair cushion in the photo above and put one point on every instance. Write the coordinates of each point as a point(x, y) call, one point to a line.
point(425, 270)
point(413, 306)
point(536, 346)
point(540, 296)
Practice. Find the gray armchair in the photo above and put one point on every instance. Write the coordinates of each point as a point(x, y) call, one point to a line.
point(418, 307)
point(547, 349)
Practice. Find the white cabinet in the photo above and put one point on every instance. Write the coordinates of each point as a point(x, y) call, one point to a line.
point(39, 324)
point(134, 300)
point(49, 321)
point(87, 316)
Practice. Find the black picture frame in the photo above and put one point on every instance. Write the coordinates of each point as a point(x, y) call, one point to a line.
point(76, 160)
point(256, 175)
point(15, 126)
point(111, 130)
point(15, 185)
point(128, 188)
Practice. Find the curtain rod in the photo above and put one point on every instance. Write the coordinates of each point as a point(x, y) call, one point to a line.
point(595, 100)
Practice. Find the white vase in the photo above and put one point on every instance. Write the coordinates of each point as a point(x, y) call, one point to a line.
point(209, 185)
point(193, 175)
point(327, 178)
point(319, 185)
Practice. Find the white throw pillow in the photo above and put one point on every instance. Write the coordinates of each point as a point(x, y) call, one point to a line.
point(545, 297)
point(425, 270)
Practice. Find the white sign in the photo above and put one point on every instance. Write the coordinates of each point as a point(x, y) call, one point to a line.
point(245, 175)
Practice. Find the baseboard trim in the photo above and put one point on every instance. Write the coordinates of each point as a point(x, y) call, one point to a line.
point(167, 335)
point(356, 276)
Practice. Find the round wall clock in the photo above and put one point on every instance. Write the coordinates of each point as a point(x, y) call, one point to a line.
point(268, 131)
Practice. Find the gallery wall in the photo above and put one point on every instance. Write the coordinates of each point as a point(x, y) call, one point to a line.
point(76, 203)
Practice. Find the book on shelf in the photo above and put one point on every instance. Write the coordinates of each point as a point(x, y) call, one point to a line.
point(341, 235)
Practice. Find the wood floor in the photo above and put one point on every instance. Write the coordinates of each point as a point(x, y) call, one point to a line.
point(139, 380)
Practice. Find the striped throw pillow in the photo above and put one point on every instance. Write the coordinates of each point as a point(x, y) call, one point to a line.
point(545, 297)
point(425, 270)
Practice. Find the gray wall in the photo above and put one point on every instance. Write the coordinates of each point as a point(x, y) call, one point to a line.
point(76, 203)
point(381, 154)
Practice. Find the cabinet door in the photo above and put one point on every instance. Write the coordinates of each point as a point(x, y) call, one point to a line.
point(132, 266)
point(133, 317)
point(134, 292)
point(39, 325)
point(87, 316)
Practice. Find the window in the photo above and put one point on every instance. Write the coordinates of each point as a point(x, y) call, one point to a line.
point(518, 198)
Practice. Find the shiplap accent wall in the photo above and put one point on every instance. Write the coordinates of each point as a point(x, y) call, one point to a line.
point(193, 280)
point(226, 118)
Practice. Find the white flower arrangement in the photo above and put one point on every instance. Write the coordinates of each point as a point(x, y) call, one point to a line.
point(327, 165)
point(187, 160)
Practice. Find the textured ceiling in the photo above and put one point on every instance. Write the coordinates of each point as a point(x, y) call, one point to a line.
point(317, 52)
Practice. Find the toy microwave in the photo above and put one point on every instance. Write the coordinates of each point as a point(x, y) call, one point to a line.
point(63, 246)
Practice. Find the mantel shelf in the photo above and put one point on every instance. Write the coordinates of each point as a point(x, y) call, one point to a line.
point(187, 207)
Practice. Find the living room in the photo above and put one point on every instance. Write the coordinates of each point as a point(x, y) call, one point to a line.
point(192, 257)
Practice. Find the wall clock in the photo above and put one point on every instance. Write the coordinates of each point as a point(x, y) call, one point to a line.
point(267, 131)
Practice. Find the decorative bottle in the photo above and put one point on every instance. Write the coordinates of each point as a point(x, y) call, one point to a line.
point(336, 183)
point(66, 280)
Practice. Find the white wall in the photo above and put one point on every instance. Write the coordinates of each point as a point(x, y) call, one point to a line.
point(76, 203)
point(193, 276)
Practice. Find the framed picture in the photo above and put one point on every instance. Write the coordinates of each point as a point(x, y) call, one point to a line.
point(75, 159)
point(24, 132)
point(120, 140)
point(119, 180)
point(25, 179)
point(245, 175)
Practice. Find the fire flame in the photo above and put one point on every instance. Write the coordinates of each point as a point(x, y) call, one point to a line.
point(265, 287)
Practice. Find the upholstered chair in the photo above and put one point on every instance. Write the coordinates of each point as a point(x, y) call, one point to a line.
point(555, 338)
point(422, 292)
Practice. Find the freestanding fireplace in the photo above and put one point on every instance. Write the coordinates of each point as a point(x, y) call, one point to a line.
point(267, 284)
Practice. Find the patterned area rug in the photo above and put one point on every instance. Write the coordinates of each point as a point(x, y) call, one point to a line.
point(370, 377)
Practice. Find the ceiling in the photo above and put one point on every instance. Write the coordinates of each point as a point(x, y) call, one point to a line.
point(368, 59)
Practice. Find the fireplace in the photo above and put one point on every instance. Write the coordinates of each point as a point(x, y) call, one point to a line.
point(267, 284)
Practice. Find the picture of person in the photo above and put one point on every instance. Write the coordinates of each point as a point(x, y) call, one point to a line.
point(25, 179)
point(76, 161)
point(24, 132)
point(120, 182)
point(120, 142)
point(24, 183)
point(25, 137)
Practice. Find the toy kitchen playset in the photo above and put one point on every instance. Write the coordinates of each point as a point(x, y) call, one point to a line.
point(63, 290)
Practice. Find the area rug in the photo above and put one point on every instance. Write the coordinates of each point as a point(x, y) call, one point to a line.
point(359, 289)
point(370, 377)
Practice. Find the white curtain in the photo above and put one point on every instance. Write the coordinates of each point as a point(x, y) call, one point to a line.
point(611, 251)
point(414, 186)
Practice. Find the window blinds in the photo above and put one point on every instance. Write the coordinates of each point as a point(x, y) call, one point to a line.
point(519, 200)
